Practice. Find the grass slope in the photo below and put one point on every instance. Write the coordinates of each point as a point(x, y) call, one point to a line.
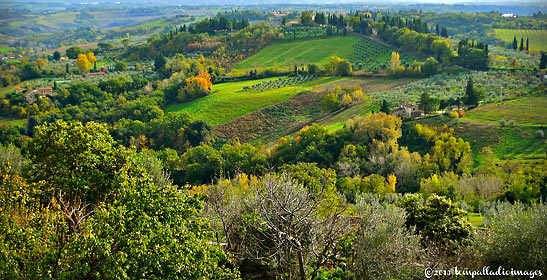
point(284, 54)
point(529, 110)
point(538, 38)
point(228, 101)
point(480, 128)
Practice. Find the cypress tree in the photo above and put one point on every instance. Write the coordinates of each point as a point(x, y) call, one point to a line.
point(437, 30)
point(543, 61)
point(515, 43)
point(385, 107)
point(521, 44)
point(526, 44)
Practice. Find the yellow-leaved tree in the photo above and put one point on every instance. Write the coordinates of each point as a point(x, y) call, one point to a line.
point(395, 61)
point(82, 63)
point(91, 58)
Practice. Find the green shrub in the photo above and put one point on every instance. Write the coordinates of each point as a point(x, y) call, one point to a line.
point(517, 237)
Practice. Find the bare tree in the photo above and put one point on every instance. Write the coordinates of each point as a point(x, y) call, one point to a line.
point(279, 222)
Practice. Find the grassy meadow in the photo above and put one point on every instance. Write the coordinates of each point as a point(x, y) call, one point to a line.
point(537, 38)
point(228, 100)
point(528, 110)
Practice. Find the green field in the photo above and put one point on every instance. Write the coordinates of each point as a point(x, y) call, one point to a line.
point(529, 111)
point(286, 54)
point(228, 101)
point(338, 121)
point(5, 49)
point(537, 38)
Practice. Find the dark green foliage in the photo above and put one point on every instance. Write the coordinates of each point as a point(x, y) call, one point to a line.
point(57, 55)
point(201, 164)
point(120, 66)
point(77, 160)
point(515, 43)
point(313, 69)
point(438, 220)
point(312, 144)
point(543, 61)
point(385, 107)
point(73, 52)
point(472, 95)
point(159, 62)
point(428, 104)
point(198, 132)
point(30, 71)
point(430, 67)
point(242, 158)
point(99, 215)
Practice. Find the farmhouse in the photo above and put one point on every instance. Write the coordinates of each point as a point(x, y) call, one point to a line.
point(407, 110)
point(94, 74)
point(30, 96)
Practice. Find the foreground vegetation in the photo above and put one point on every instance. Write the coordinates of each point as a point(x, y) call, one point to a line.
point(272, 145)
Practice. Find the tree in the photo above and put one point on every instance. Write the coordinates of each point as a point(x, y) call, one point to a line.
point(105, 46)
point(284, 20)
point(382, 247)
point(470, 97)
point(83, 236)
point(57, 55)
point(515, 43)
point(288, 225)
point(395, 67)
point(543, 61)
point(160, 62)
point(306, 18)
point(120, 66)
point(91, 58)
point(438, 220)
point(30, 71)
point(452, 154)
point(343, 68)
point(331, 102)
point(197, 86)
point(527, 45)
point(338, 66)
point(73, 52)
point(346, 100)
point(430, 67)
point(201, 164)
point(426, 103)
point(516, 239)
point(380, 127)
point(385, 107)
point(437, 30)
point(76, 159)
point(82, 63)
point(444, 32)
point(313, 69)
point(521, 44)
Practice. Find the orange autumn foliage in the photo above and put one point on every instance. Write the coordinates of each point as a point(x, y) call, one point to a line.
point(196, 86)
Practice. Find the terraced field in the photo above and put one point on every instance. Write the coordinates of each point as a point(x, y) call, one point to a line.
point(537, 38)
point(287, 54)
